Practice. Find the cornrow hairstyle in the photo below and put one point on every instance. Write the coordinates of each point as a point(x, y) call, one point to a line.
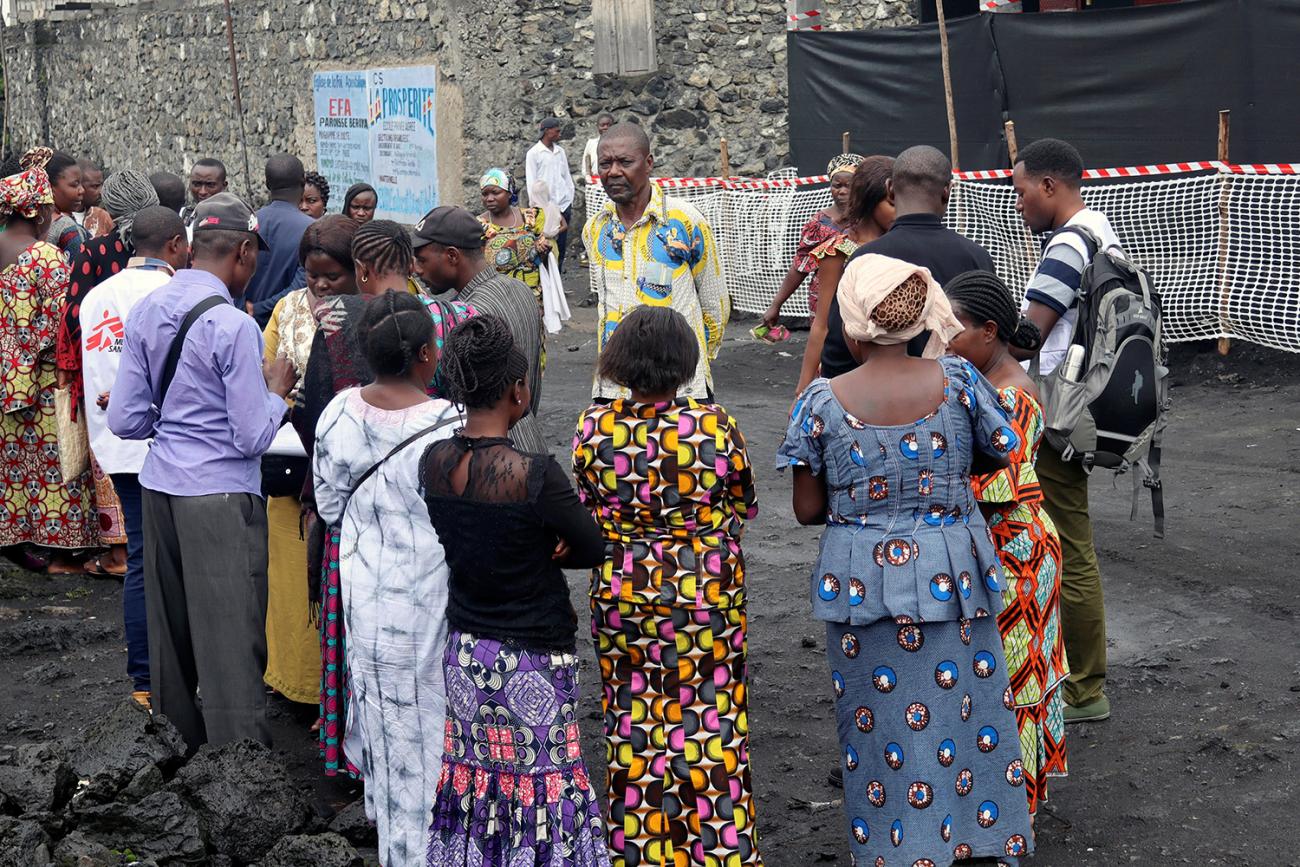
point(317, 180)
point(868, 189)
point(385, 246)
point(393, 328)
point(58, 164)
point(983, 297)
point(480, 362)
point(332, 235)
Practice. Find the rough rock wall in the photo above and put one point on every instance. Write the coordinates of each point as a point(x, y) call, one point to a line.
point(148, 86)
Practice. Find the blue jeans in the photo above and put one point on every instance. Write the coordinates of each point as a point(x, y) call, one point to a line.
point(127, 486)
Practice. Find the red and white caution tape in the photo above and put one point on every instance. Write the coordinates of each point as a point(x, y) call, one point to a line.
point(992, 175)
point(810, 20)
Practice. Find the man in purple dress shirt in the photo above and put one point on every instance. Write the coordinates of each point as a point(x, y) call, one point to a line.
point(204, 518)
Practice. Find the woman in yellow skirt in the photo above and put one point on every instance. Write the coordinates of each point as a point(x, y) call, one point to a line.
point(292, 638)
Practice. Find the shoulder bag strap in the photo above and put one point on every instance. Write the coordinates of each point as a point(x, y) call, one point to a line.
point(178, 343)
point(397, 448)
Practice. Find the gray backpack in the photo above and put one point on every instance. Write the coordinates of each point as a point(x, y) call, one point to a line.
point(1107, 403)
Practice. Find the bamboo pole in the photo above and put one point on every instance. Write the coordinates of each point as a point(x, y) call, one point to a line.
point(239, 105)
point(844, 142)
point(1012, 149)
point(1225, 129)
point(947, 86)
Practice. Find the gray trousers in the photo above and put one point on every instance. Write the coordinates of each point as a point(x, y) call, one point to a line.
point(205, 588)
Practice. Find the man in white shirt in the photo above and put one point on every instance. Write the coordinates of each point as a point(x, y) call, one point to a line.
point(547, 162)
point(1047, 178)
point(161, 248)
point(589, 160)
point(589, 168)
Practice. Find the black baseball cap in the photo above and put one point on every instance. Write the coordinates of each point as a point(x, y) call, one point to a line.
point(550, 123)
point(229, 213)
point(449, 226)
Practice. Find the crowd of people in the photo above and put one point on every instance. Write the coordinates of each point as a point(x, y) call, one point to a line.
point(325, 427)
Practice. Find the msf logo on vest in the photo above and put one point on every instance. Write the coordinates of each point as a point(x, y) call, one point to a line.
point(107, 335)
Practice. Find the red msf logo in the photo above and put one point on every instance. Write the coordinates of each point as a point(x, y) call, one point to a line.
point(105, 334)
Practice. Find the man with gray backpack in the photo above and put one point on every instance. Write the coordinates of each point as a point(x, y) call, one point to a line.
point(1101, 375)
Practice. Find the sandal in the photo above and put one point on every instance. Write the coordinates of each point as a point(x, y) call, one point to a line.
point(95, 568)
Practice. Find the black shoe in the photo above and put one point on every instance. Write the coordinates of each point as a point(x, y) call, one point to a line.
point(836, 778)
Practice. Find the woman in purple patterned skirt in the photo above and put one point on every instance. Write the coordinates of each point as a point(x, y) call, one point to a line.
point(514, 790)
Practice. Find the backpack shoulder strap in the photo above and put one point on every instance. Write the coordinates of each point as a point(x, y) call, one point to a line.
point(1090, 239)
point(178, 343)
point(397, 448)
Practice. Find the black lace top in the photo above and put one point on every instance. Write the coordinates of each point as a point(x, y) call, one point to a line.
point(499, 534)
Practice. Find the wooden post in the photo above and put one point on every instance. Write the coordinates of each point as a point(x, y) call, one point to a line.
point(947, 86)
point(725, 155)
point(239, 105)
point(1225, 124)
point(844, 142)
point(1012, 148)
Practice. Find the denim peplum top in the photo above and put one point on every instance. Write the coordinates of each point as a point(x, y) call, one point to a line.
point(904, 536)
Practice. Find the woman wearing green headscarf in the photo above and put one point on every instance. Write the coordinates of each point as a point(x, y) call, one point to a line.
point(515, 243)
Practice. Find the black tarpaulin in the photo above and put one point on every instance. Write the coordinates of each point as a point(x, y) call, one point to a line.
point(885, 88)
point(1126, 86)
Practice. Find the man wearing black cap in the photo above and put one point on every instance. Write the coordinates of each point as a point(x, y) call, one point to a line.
point(548, 163)
point(203, 398)
point(449, 255)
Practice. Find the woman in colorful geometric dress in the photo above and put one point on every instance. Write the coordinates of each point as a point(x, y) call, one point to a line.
point(1023, 533)
point(514, 241)
point(821, 226)
point(514, 790)
point(669, 481)
point(40, 508)
point(908, 581)
point(870, 215)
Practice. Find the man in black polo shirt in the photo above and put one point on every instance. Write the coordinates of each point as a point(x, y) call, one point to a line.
point(920, 184)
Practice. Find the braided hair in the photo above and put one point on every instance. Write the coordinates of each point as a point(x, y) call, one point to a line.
point(480, 362)
point(983, 297)
point(393, 328)
point(317, 180)
point(384, 246)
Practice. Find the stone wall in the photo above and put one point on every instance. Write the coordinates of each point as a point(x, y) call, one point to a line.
point(148, 86)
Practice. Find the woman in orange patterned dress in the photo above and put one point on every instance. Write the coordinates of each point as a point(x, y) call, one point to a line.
point(669, 482)
point(40, 507)
point(1026, 539)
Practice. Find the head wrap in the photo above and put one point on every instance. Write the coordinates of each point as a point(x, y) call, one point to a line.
point(354, 191)
point(881, 302)
point(124, 194)
point(500, 178)
point(843, 163)
point(28, 191)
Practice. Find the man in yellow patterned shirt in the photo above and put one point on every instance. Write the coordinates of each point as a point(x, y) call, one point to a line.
point(646, 248)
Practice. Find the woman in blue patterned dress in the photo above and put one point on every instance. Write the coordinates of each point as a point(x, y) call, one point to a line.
point(908, 581)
